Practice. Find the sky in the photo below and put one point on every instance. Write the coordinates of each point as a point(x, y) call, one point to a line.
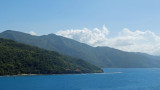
point(129, 25)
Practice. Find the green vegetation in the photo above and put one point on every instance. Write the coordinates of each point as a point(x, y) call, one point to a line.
point(99, 56)
point(16, 58)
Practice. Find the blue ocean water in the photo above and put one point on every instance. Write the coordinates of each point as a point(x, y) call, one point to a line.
point(111, 79)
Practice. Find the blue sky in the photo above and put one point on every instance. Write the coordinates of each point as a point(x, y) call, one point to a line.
point(129, 25)
point(49, 16)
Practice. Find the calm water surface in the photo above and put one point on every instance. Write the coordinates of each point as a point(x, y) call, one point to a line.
point(112, 79)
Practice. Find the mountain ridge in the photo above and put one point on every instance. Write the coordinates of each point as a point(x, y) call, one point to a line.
point(99, 56)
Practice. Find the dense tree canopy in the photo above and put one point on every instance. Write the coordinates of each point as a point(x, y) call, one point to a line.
point(16, 58)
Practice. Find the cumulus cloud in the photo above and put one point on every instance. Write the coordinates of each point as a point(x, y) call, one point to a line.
point(126, 40)
point(32, 33)
point(85, 35)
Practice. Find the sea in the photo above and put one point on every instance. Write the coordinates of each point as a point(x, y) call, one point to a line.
point(111, 79)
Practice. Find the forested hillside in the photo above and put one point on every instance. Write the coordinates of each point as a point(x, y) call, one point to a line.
point(16, 58)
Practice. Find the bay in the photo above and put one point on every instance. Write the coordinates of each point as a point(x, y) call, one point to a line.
point(111, 79)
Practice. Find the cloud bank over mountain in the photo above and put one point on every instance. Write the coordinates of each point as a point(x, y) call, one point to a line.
point(32, 33)
point(126, 40)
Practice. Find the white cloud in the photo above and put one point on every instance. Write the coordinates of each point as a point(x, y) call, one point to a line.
point(32, 33)
point(85, 35)
point(126, 40)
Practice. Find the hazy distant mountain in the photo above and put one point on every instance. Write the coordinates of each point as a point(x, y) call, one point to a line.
point(99, 56)
point(16, 58)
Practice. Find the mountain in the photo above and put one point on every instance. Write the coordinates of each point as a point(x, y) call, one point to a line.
point(99, 56)
point(16, 58)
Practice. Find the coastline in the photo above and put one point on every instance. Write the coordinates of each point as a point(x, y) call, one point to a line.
point(20, 75)
point(46, 74)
